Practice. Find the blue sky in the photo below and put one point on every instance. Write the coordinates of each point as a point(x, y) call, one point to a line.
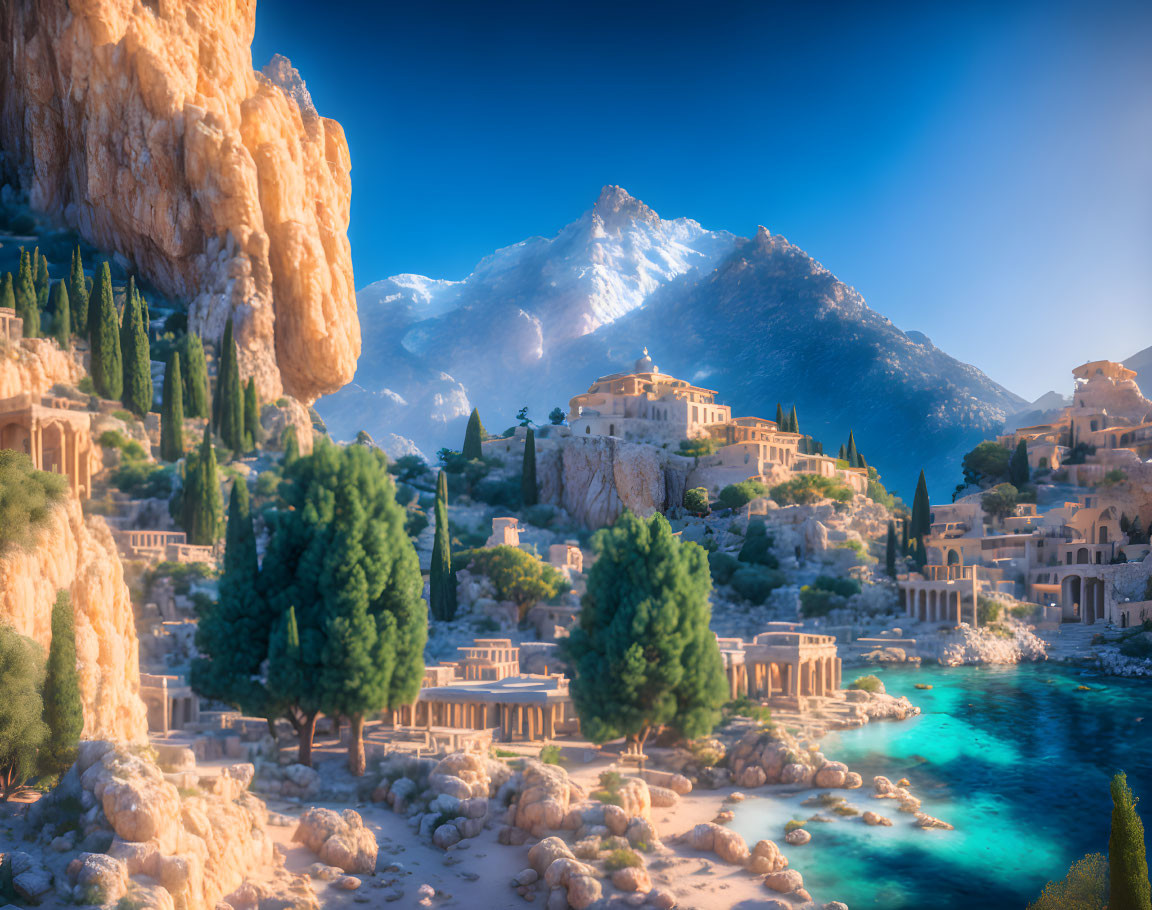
point(981, 172)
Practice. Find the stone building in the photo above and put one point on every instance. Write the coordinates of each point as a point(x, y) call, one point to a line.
point(55, 433)
point(505, 532)
point(170, 701)
point(11, 326)
point(786, 666)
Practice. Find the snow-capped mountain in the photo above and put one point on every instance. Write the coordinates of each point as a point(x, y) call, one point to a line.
point(756, 319)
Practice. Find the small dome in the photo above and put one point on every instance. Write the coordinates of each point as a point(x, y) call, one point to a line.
point(645, 365)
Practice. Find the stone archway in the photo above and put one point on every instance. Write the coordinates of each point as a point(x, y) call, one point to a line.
point(1082, 557)
point(953, 558)
point(1071, 589)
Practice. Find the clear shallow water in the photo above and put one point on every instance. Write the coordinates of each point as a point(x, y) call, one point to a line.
point(1014, 757)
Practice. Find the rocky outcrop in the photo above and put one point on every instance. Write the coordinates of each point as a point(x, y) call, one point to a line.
point(339, 839)
point(35, 365)
point(596, 478)
point(143, 126)
point(69, 553)
point(966, 645)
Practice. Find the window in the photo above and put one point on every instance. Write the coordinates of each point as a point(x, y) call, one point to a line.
point(694, 417)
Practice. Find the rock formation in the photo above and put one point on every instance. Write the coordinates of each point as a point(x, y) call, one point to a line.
point(69, 553)
point(143, 126)
point(34, 366)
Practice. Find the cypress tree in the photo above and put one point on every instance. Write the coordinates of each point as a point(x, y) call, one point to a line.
point(42, 282)
point(921, 510)
point(920, 554)
point(7, 294)
point(61, 315)
point(22, 728)
point(106, 364)
point(851, 453)
point(780, 425)
point(230, 400)
point(172, 411)
point(860, 462)
point(253, 432)
point(890, 551)
point(441, 579)
point(63, 710)
point(473, 436)
point(78, 295)
point(137, 359)
point(529, 495)
point(1018, 471)
point(291, 445)
point(904, 536)
point(289, 692)
point(642, 655)
point(1128, 887)
point(793, 421)
point(203, 506)
point(27, 307)
point(843, 453)
point(195, 368)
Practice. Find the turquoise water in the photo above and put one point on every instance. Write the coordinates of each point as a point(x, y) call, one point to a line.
point(1014, 757)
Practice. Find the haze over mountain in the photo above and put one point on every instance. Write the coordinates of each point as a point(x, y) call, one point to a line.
point(758, 319)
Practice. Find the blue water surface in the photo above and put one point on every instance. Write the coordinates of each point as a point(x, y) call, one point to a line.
point(1015, 757)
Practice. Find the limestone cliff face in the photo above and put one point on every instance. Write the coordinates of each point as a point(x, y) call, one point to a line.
point(596, 478)
point(34, 366)
point(142, 124)
point(80, 556)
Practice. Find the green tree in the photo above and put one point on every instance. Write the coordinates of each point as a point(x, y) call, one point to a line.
point(529, 494)
point(137, 358)
point(986, 465)
point(793, 421)
point(696, 500)
point(737, 495)
point(172, 410)
point(289, 692)
point(7, 294)
point(27, 307)
point(904, 537)
point(291, 445)
point(42, 282)
point(473, 436)
point(1000, 501)
point(1084, 888)
point(253, 432)
point(842, 455)
point(22, 727)
point(890, 551)
point(232, 636)
point(851, 454)
point(642, 654)
point(780, 424)
point(518, 576)
point(63, 709)
point(203, 506)
point(78, 295)
point(61, 315)
point(556, 417)
point(1018, 472)
point(229, 417)
point(339, 554)
point(441, 578)
point(1128, 886)
point(921, 510)
point(106, 362)
point(195, 368)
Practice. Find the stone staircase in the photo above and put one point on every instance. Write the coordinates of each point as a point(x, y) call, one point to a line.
point(1071, 641)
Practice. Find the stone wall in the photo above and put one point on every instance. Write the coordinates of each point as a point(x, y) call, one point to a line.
point(69, 553)
point(34, 366)
point(143, 126)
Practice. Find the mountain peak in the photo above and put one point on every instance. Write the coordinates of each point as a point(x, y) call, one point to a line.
point(616, 206)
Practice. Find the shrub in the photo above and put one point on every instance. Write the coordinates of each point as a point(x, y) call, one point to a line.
point(697, 448)
point(757, 546)
point(518, 576)
point(623, 859)
point(540, 516)
point(808, 488)
point(1084, 888)
point(722, 565)
point(816, 602)
point(866, 684)
point(1137, 646)
point(845, 587)
point(736, 495)
point(745, 707)
point(551, 755)
point(756, 583)
point(792, 825)
point(26, 497)
point(495, 492)
point(1113, 477)
point(987, 610)
point(696, 500)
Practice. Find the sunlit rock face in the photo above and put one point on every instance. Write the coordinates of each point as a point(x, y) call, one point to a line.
point(69, 553)
point(142, 124)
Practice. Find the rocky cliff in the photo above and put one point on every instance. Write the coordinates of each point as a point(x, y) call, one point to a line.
point(597, 478)
point(143, 126)
point(69, 553)
point(35, 365)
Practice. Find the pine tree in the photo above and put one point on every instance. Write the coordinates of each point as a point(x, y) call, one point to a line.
point(203, 506)
point(890, 551)
point(61, 315)
point(63, 709)
point(172, 411)
point(27, 307)
point(78, 295)
point(473, 436)
point(860, 462)
point(843, 453)
point(921, 510)
point(7, 294)
point(1128, 886)
point(793, 421)
point(42, 282)
point(232, 636)
point(441, 579)
point(780, 424)
point(529, 495)
point(289, 692)
point(1018, 472)
point(106, 364)
point(253, 432)
point(195, 369)
point(904, 537)
point(137, 358)
point(642, 654)
point(230, 401)
point(850, 453)
point(920, 554)
point(22, 727)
